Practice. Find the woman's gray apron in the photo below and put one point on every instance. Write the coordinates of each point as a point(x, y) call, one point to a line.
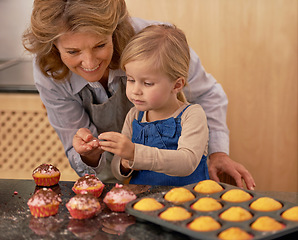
point(108, 116)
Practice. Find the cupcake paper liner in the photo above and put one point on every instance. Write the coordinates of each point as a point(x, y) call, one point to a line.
point(81, 214)
point(44, 211)
point(116, 207)
point(46, 182)
point(95, 192)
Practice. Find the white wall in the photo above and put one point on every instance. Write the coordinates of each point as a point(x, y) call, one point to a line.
point(14, 18)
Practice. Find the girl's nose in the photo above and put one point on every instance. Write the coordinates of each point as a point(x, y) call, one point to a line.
point(136, 89)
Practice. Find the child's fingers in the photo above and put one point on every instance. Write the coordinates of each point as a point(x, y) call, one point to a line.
point(109, 136)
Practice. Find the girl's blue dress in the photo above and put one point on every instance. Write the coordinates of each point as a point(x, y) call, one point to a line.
point(163, 134)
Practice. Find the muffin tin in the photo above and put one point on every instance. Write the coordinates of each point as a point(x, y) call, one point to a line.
point(181, 226)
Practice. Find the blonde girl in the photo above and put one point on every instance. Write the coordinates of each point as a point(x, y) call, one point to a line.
point(164, 139)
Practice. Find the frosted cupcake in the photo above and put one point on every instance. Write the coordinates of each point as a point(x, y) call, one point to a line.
point(44, 203)
point(46, 175)
point(117, 198)
point(83, 206)
point(90, 184)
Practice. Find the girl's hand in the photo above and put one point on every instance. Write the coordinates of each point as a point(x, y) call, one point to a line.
point(87, 146)
point(118, 144)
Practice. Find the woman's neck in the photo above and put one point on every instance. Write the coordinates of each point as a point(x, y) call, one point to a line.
point(105, 80)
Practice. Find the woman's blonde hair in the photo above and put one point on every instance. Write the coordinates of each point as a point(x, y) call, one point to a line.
point(164, 47)
point(51, 18)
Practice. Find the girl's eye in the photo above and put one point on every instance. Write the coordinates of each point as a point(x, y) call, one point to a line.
point(148, 84)
point(130, 80)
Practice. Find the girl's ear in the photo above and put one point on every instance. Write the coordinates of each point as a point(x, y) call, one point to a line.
point(179, 84)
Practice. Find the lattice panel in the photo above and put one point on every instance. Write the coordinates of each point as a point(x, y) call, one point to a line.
point(27, 140)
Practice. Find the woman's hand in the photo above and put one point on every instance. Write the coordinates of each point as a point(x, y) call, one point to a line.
point(118, 144)
point(87, 146)
point(221, 162)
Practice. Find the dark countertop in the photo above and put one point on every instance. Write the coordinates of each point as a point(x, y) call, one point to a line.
point(16, 76)
point(16, 221)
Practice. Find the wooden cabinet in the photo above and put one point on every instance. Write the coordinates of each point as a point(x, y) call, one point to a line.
point(27, 139)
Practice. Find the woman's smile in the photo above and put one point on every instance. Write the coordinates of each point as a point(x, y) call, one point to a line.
point(90, 70)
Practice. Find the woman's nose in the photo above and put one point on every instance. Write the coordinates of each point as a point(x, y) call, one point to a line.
point(88, 61)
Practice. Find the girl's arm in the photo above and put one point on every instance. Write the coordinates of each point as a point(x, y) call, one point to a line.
point(192, 144)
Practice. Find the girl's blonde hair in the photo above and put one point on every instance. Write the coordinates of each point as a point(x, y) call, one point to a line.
point(165, 48)
point(52, 18)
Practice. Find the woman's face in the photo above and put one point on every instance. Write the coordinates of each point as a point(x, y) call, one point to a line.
point(86, 54)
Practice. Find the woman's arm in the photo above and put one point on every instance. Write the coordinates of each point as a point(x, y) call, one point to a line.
point(66, 115)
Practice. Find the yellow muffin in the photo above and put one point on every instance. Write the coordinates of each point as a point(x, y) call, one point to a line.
point(236, 195)
point(234, 233)
point(208, 187)
point(266, 223)
point(291, 214)
point(179, 195)
point(206, 204)
point(265, 204)
point(236, 214)
point(175, 214)
point(204, 224)
point(147, 204)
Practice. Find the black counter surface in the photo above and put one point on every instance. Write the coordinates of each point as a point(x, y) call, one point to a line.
point(16, 221)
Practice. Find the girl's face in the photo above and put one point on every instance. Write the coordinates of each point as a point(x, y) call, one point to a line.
point(148, 89)
point(86, 54)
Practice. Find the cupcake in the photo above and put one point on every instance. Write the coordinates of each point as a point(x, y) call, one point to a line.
point(234, 233)
point(83, 206)
point(117, 198)
point(179, 195)
point(46, 175)
point(175, 214)
point(148, 204)
point(236, 195)
point(266, 223)
point(291, 214)
point(204, 224)
point(208, 187)
point(265, 204)
point(235, 214)
point(45, 202)
point(206, 204)
point(90, 184)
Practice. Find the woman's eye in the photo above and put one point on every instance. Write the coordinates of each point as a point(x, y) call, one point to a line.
point(100, 45)
point(72, 52)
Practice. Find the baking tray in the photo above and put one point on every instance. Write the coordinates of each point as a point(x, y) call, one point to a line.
point(181, 226)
